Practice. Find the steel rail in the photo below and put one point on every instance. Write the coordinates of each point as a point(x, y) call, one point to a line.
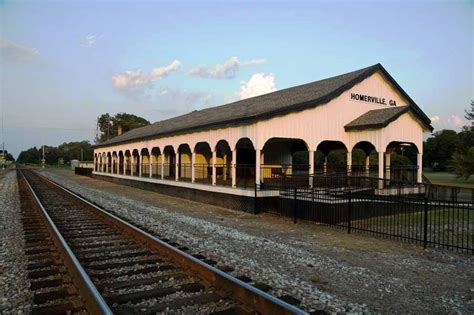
point(93, 300)
point(252, 298)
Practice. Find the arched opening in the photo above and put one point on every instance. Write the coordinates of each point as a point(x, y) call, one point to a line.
point(170, 162)
point(120, 162)
point(96, 162)
point(223, 163)
point(284, 159)
point(109, 162)
point(145, 162)
point(330, 158)
point(155, 156)
point(401, 162)
point(135, 162)
point(128, 162)
point(365, 160)
point(184, 162)
point(114, 162)
point(245, 163)
point(202, 163)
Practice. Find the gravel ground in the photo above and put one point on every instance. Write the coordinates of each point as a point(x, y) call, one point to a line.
point(15, 294)
point(323, 267)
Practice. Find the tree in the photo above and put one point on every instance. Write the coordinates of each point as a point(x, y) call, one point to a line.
point(470, 114)
point(439, 149)
point(108, 125)
point(463, 164)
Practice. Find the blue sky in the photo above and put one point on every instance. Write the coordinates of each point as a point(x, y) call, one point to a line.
point(65, 63)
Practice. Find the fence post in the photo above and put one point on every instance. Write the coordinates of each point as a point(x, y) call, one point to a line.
point(294, 204)
point(349, 212)
point(425, 222)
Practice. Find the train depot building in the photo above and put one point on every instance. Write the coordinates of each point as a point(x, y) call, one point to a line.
point(234, 149)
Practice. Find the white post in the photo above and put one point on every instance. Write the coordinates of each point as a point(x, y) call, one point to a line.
point(257, 166)
point(349, 162)
point(106, 163)
point(124, 165)
point(381, 166)
point(367, 165)
point(140, 162)
point(387, 165)
point(419, 164)
point(214, 161)
point(234, 168)
point(150, 173)
point(193, 170)
point(162, 166)
point(311, 167)
point(176, 170)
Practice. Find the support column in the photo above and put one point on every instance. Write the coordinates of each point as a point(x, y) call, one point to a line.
point(107, 164)
point(140, 162)
point(162, 166)
point(193, 170)
point(257, 166)
point(224, 168)
point(367, 165)
point(311, 167)
point(419, 171)
point(176, 170)
point(234, 168)
point(150, 172)
point(381, 166)
point(349, 162)
point(214, 161)
point(387, 165)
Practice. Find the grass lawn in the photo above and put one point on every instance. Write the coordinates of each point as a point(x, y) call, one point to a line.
point(444, 178)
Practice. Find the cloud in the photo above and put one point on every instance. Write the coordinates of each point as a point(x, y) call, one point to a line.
point(258, 84)
point(11, 51)
point(130, 81)
point(435, 119)
point(90, 40)
point(455, 120)
point(451, 122)
point(227, 70)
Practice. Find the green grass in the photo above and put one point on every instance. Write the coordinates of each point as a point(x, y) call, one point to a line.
point(444, 178)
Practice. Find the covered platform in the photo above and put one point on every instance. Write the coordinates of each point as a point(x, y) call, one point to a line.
point(360, 123)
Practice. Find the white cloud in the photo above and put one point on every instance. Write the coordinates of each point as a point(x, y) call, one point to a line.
point(90, 40)
point(258, 84)
point(11, 51)
point(455, 120)
point(435, 119)
point(132, 80)
point(182, 101)
point(227, 70)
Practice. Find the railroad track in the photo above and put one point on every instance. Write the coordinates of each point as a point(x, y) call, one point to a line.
point(111, 266)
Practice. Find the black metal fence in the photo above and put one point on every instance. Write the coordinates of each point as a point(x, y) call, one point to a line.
point(429, 215)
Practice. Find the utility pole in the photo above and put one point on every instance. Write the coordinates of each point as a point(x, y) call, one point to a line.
point(43, 160)
point(82, 154)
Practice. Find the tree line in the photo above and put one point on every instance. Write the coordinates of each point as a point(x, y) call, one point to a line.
point(79, 150)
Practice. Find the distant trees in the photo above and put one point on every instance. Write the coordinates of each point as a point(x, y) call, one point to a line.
point(67, 151)
point(108, 125)
point(448, 150)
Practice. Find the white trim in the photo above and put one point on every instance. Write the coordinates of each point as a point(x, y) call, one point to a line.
point(217, 189)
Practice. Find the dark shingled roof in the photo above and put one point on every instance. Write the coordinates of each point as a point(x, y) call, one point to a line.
point(260, 107)
point(377, 118)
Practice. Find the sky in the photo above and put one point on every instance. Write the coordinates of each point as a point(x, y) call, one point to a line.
point(63, 64)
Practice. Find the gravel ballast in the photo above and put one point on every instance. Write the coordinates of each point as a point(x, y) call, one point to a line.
point(15, 294)
point(325, 268)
